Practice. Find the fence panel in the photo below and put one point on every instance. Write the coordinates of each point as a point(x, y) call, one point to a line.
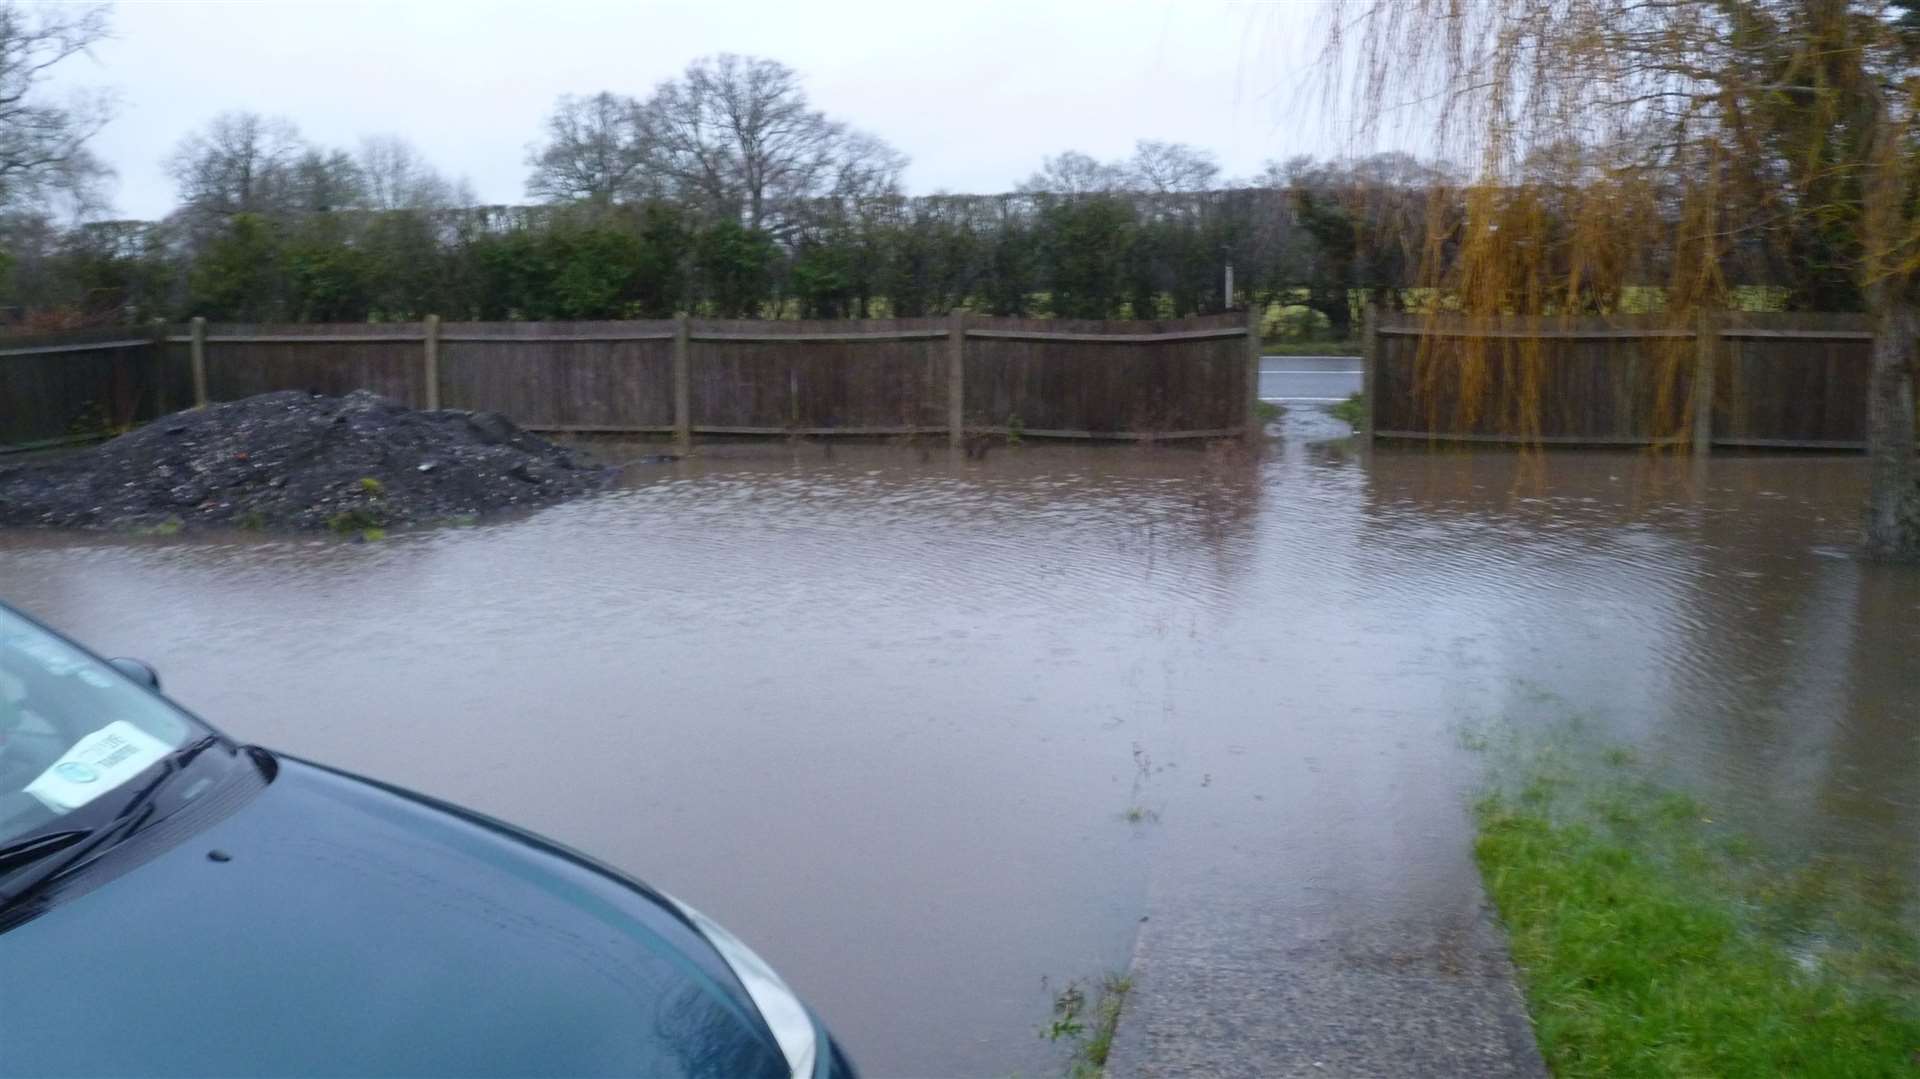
point(1788, 380)
point(81, 383)
point(1110, 379)
point(1794, 392)
point(562, 376)
point(322, 357)
point(877, 376)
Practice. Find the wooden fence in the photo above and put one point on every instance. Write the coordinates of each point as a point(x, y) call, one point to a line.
point(1777, 380)
point(1190, 378)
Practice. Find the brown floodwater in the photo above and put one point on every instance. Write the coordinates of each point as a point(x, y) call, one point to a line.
point(886, 714)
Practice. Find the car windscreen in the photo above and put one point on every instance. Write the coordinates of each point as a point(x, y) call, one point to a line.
point(72, 728)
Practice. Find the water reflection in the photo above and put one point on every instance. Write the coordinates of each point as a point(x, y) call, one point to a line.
point(878, 709)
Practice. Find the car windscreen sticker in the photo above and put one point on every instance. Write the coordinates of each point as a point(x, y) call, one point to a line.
point(95, 765)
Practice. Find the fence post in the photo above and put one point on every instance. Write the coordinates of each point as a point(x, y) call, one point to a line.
point(431, 367)
point(1706, 347)
point(682, 384)
point(197, 357)
point(1369, 362)
point(1255, 429)
point(160, 367)
point(956, 377)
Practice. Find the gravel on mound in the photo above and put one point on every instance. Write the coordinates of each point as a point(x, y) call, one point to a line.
point(292, 460)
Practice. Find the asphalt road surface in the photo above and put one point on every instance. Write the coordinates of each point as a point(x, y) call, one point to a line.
point(1324, 379)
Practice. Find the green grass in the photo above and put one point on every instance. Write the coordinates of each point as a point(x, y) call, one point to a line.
point(1353, 410)
point(1653, 942)
point(1267, 411)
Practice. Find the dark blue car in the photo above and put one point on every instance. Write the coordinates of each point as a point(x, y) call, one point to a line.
point(172, 903)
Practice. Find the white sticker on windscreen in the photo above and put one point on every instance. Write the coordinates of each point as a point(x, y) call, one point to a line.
point(95, 765)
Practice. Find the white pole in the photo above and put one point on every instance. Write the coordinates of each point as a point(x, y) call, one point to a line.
point(1229, 293)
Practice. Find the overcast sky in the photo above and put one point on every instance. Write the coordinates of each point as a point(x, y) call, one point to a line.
point(975, 94)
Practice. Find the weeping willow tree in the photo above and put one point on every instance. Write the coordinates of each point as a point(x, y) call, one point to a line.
point(1646, 153)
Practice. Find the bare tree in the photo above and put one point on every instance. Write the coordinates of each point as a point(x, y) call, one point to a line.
point(43, 151)
point(1171, 168)
point(1075, 173)
point(393, 176)
point(594, 151)
point(321, 181)
point(242, 163)
point(737, 134)
point(866, 168)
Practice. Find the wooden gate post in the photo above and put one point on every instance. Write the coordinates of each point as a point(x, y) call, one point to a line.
point(1256, 430)
point(431, 357)
point(1369, 366)
point(1706, 347)
point(682, 384)
point(197, 357)
point(956, 377)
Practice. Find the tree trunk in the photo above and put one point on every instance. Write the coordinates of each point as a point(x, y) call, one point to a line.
point(1893, 497)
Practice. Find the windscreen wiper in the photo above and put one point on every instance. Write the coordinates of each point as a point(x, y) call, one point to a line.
point(41, 845)
point(36, 851)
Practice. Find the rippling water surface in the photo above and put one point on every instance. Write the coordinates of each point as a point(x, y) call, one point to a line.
point(885, 713)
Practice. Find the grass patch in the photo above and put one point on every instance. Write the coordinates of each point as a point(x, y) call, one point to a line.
point(1088, 1021)
point(1266, 411)
point(1654, 942)
point(1353, 410)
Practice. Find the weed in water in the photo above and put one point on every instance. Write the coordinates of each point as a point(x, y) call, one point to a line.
point(169, 526)
point(1350, 411)
point(372, 486)
point(358, 519)
point(251, 521)
point(1067, 1005)
point(1088, 1022)
point(1266, 411)
point(1141, 815)
point(1015, 430)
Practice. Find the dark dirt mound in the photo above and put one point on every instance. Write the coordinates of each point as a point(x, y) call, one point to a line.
point(291, 460)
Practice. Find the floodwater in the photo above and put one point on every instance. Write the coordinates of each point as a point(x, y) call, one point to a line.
point(886, 714)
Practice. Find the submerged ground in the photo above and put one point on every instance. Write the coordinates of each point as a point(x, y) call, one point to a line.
point(937, 735)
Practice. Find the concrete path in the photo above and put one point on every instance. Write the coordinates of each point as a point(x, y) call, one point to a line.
point(1313, 905)
point(1238, 990)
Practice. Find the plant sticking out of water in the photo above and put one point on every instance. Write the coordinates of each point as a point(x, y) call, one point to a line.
point(1267, 411)
point(1654, 939)
point(1087, 1022)
point(1350, 411)
point(360, 519)
point(1138, 811)
point(368, 519)
point(1016, 429)
point(166, 527)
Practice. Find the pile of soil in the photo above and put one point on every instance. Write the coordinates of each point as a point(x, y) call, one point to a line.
point(292, 460)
